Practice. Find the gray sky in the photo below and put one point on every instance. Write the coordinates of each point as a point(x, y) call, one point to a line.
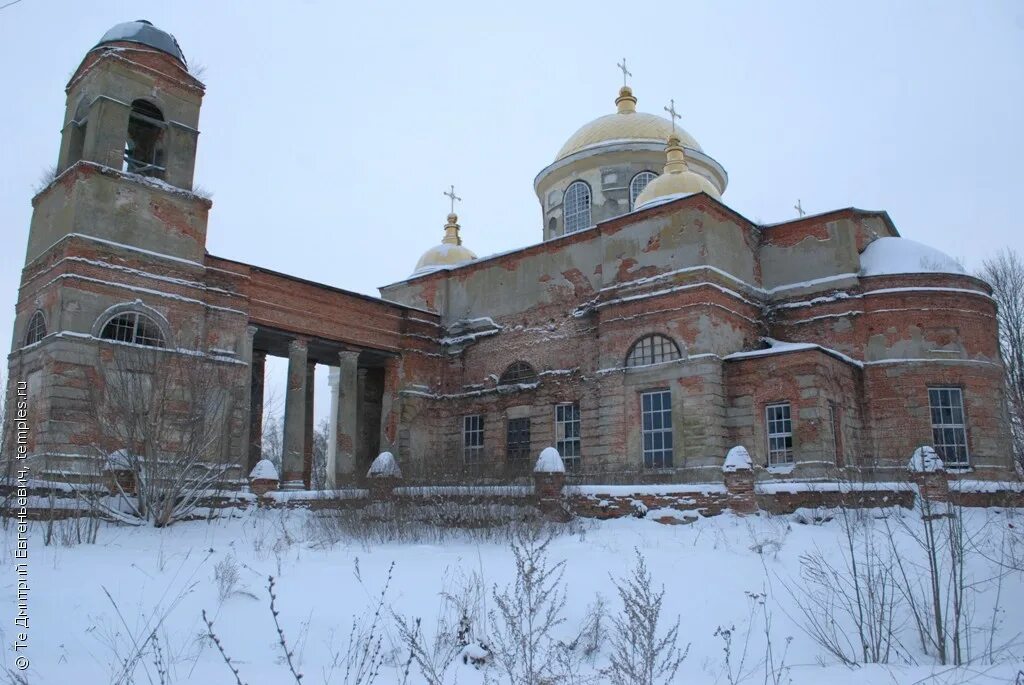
point(330, 130)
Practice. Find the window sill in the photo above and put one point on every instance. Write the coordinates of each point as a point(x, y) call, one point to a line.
point(783, 469)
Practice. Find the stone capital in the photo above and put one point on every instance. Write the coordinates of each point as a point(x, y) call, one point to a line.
point(348, 357)
point(250, 332)
point(298, 346)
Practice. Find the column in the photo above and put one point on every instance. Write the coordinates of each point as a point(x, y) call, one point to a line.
point(307, 457)
point(252, 433)
point(295, 416)
point(390, 408)
point(347, 428)
point(363, 457)
point(333, 380)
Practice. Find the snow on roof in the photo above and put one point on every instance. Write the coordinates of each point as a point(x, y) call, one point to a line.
point(925, 460)
point(264, 470)
point(781, 347)
point(384, 466)
point(549, 461)
point(738, 459)
point(886, 256)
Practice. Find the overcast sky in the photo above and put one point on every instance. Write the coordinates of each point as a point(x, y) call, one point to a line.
point(330, 130)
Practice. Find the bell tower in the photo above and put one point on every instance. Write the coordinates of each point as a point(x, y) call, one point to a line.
point(128, 150)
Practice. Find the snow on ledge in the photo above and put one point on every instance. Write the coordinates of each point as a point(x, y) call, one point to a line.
point(666, 489)
point(738, 459)
point(890, 256)
point(264, 470)
point(384, 466)
point(925, 460)
point(549, 461)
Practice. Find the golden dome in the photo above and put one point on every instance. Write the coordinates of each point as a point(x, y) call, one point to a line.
point(677, 179)
point(450, 252)
point(626, 124)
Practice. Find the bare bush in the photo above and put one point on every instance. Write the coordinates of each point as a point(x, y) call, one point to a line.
point(641, 652)
point(457, 633)
point(849, 606)
point(161, 416)
point(528, 610)
point(935, 582)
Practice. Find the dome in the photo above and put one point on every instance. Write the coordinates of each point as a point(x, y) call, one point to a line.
point(677, 179)
point(626, 124)
point(144, 33)
point(451, 251)
point(888, 256)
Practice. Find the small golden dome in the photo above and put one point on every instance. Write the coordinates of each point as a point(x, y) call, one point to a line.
point(677, 179)
point(450, 252)
point(626, 124)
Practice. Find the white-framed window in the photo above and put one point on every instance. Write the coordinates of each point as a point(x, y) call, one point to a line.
point(36, 329)
point(949, 427)
point(576, 207)
point(133, 327)
point(473, 438)
point(779, 422)
point(567, 433)
point(637, 185)
point(656, 428)
point(652, 349)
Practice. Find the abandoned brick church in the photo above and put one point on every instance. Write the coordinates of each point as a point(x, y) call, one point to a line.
point(649, 330)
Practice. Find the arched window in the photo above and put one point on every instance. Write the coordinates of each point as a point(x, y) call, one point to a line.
point(518, 372)
point(133, 327)
point(36, 329)
point(652, 349)
point(143, 151)
point(576, 207)
point(637, 185)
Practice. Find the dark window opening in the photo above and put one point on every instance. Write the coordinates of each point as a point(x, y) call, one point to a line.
point(518, 372)
point(143, 151)
point(134, 328)
point(36, 329)
point(518, 440)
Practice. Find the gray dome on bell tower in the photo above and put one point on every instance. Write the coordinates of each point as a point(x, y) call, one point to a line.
point(143, 32)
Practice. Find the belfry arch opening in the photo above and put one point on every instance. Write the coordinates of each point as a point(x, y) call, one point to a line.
point(143, 149)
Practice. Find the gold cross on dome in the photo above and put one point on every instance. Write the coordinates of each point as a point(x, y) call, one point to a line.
point(450, 194)
point(625, 72)
point(799, 208)
point(671, 109)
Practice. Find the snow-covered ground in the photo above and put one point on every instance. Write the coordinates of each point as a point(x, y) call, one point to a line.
point(164, 579)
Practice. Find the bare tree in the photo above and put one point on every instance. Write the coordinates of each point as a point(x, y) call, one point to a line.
point(1005, 272)
point(161, 416)
point(642, 652)
point(320, 438)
